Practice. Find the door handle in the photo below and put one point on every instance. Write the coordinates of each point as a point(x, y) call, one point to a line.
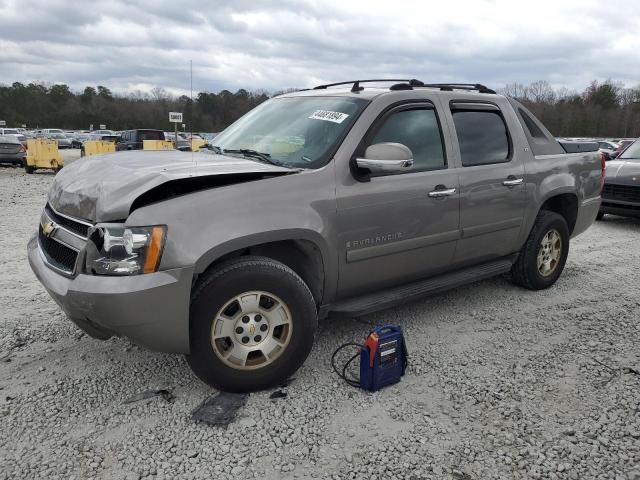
point(444, 192)
point(512, 182)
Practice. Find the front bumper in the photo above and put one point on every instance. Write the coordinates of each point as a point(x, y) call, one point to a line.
point(152, 309)
point(624, 209)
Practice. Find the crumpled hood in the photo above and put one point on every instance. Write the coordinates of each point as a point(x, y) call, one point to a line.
point(623, 172)
point(102, 187)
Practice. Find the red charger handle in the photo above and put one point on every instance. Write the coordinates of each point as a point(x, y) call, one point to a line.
point(372, 344)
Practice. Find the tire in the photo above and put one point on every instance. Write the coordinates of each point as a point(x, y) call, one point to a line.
point(526, 271)
point(265, 282)
point(27, 168)
point(600, 215)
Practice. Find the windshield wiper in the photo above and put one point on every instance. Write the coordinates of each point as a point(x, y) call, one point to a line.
point(264, 157)
point(216, 149)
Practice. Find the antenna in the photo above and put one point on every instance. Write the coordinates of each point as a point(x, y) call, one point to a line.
point(193, 157)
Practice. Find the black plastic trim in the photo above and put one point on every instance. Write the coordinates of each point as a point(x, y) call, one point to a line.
point(383, 299)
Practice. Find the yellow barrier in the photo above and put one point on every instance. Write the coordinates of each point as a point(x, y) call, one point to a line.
point(97, 147)
point(196, 144)
point(157, 145)
point(43, 153)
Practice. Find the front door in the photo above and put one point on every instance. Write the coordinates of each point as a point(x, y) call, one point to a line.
point(397, 228)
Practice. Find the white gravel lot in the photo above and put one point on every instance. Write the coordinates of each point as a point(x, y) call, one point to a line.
point(503, 383)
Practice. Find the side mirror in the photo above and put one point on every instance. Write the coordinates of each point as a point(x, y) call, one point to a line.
point(386, 158)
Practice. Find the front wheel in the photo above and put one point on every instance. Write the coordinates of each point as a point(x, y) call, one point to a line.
point(600, 215)
point(544, 254)
point(252, 325)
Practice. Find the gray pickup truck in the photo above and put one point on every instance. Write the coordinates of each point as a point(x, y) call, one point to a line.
point(342, 199)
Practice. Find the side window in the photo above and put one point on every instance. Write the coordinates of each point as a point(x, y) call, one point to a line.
point(417, 129)
point(534, 131)
point(482, 136)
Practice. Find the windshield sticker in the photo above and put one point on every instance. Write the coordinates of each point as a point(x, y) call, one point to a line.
point(329, 116)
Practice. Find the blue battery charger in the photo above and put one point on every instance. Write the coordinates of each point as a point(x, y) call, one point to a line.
point(383, 359)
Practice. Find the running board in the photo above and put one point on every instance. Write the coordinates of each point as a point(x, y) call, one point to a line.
point(371, 302)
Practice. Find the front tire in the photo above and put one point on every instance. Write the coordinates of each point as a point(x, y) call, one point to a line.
point(544, 254)
point(252, 325)
point(600, 215)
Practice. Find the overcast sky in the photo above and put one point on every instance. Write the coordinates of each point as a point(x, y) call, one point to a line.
point(271, 45)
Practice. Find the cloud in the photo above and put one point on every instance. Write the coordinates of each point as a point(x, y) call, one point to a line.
point(286, 43)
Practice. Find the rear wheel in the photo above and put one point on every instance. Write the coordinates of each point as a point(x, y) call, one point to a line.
point(253, 320)
point(544, 254)
point(27, 167)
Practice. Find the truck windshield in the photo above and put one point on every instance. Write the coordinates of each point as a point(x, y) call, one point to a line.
point(632, 152)
point(299, 132)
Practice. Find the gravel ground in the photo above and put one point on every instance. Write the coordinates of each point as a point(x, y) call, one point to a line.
point(502, 383)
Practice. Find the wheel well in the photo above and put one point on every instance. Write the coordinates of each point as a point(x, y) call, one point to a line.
point(566, 205)
point(301, 256)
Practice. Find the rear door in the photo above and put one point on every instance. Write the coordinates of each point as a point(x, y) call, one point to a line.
point(395, 228)
point(492, 186)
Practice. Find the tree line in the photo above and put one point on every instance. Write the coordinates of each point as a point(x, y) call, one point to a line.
point(603, 109)
point(56, 106)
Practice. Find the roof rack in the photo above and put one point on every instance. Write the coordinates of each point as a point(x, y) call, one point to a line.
point(410, 84)
point(460, 86)
point(356, 83)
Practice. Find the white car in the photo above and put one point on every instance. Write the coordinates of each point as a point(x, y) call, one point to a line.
point(607, 147)
point(15, 133)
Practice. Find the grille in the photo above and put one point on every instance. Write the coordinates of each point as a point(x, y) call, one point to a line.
point(58, 255)
point(79, 228)
point(624, 193)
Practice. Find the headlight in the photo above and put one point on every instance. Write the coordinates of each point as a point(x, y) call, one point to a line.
point(118, 250)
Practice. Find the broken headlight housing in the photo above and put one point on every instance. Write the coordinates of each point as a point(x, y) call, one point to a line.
point(114, 249)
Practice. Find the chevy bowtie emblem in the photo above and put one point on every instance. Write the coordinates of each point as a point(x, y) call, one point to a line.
point(48, 229)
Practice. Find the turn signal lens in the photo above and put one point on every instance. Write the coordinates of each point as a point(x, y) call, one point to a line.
point(154, 249)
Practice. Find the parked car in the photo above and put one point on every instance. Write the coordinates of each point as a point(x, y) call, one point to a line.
point(608, 148)
point(12, 150)
point(621, 147)
point(184, 144)
point(102, 132)
point(344, 200)
point(78, 138)
point(134, 139)
point(621, 192)
point(16, 133)
point(61, 138)
point(208, 137)
point(47, 131)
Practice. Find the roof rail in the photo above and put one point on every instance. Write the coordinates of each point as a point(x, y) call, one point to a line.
point(356, 83)
point(460, 86)
point(409, 84)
